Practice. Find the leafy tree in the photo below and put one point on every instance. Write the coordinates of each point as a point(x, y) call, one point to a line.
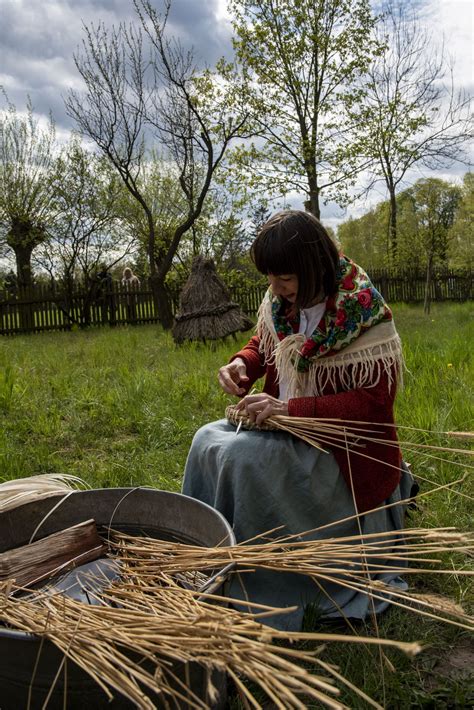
point(27, 163)
point(259, 214)
point(411, 252)
point(131, 97)
point(158, 183)
point(220, 233)
point(230, 243)
point(435, 204)
point(428, 203)
point(301, 60)
point(87, 229)
point(364, 239)
point(461, 247)
point(410, 116)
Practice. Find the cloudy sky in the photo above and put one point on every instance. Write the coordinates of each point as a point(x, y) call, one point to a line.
point(38, 39)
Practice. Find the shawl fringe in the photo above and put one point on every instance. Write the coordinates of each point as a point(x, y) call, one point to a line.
point(375, 352)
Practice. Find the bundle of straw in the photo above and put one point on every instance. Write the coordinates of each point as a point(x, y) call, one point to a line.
point(163, 623)
point(241, 419)
point(149, 613)
point(342, 433)
point(33, 488)
point(63, 550)
point(350, 562)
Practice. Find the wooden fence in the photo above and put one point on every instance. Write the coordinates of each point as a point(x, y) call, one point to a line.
point(43, 308)
point(409, 286)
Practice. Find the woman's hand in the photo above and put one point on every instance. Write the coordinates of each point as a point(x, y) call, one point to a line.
point(231, 375)
point(259, 407)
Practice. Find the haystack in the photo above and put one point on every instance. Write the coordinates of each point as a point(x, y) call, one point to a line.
point(206, 311)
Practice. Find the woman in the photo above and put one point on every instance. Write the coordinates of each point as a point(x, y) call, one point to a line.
point(129, 279)
point(130, 284)
point(327, 346)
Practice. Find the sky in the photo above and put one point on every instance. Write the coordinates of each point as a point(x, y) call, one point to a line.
point(39, 37)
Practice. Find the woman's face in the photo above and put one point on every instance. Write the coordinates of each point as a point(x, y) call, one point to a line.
point(284, 285)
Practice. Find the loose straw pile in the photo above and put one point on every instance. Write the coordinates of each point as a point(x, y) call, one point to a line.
point(350, 562)
point(149, 615)
point(163, 623)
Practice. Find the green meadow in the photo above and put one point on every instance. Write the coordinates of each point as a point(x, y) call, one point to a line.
point(119, 407)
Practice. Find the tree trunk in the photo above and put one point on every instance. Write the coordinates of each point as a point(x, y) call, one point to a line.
point(23, 237)
point(429, 271)
point(23, 264)
point(392, 226)
point(162, 300)
point(23, 250)
point(312, 205)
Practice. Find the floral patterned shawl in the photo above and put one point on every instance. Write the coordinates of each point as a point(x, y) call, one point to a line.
point(354, 342)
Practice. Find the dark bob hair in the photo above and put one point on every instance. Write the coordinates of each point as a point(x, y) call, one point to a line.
point(295, 242)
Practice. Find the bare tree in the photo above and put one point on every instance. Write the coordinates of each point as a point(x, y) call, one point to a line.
point(132, 99)
point(410, 115)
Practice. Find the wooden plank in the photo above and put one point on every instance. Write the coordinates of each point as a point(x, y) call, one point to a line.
point(52, 555)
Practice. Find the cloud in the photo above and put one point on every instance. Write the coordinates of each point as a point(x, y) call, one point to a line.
point(38, 41)
point(451, 22)
point(202, 25)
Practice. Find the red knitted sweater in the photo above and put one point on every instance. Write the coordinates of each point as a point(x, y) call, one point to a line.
point(375, 471)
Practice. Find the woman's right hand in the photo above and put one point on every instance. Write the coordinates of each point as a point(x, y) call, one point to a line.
point(231, 375)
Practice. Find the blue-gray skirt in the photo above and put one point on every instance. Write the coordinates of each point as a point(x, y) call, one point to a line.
point(263, 480)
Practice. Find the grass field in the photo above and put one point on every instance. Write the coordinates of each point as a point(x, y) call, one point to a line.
point(119, 407)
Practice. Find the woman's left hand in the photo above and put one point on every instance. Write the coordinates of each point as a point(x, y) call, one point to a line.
point(259, 407)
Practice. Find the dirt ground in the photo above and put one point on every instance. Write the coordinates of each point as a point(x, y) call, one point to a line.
point(456, 665)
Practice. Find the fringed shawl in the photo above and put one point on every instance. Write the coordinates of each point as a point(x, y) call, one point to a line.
point(353, 345)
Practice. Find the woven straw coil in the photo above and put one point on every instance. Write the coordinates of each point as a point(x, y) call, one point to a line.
point(237, 417)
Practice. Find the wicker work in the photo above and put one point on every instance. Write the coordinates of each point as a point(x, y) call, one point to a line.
point(237, 418)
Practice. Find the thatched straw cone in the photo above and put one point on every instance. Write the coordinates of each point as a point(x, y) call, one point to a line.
point(206, 311)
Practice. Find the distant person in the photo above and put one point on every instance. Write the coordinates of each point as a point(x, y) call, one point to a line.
point(11, 288)
point(11, 283)
point(129, 279)
point(131, 284)
point(105, 296)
